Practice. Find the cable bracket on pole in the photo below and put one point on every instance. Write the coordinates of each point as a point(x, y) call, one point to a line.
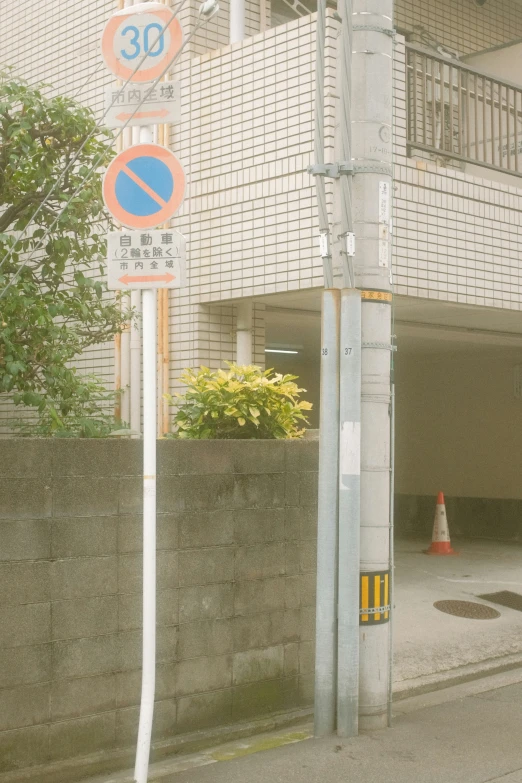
point(382, 346)
point(373, 28)
point(376, 610)
point(332, 170)
point(372, 168)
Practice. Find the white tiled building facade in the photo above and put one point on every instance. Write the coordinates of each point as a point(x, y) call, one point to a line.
point(246, 140)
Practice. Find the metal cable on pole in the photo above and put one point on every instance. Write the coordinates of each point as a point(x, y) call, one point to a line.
point(89, 173)
point(320, 185)
point(345, 145)
point(349, 514)
point(326, 600)
point(327, 513)
point(349, 410)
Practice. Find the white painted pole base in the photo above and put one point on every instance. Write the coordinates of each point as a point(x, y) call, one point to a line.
point(373, 695)
point(149, 537)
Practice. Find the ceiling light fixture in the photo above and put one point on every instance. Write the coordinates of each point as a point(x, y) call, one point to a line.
point(279, 350)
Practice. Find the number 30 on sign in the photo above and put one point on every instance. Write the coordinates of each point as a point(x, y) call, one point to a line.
point(136, 31)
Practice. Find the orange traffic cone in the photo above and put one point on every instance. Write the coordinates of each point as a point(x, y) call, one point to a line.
point(440, 541)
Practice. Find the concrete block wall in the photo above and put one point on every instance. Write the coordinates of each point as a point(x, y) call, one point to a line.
point(236, 582)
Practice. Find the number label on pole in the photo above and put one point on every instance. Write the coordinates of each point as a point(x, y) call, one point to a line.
point(138, 31)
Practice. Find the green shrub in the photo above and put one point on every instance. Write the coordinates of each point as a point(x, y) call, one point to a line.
point(86, 414)
point(241, 402)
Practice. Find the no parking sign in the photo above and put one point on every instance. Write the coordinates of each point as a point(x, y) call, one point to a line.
point(144, 186)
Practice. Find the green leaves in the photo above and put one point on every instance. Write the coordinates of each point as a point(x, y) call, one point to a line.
point(55, 307)
point(241, 402)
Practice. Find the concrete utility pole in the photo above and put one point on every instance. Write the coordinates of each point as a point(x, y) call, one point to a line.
point(372, 65)
point(353, 655)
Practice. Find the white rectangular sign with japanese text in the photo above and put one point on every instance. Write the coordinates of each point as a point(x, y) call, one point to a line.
point(146, 259)
point(162, 104)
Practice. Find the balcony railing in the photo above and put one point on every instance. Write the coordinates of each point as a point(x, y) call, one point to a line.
point(459, 113)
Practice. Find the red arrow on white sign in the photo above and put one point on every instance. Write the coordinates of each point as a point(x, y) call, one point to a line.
point(127, 279)
point(141, 115)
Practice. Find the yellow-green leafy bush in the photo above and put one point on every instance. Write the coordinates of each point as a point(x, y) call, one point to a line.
point(241, 402)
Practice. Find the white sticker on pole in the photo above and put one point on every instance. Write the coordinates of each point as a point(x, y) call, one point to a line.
point(138, 30)
point(384, 246)
point(384, 202)
point(350, 456)
point(323, 245)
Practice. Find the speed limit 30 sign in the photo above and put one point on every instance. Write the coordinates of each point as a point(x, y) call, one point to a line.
point(138, 30)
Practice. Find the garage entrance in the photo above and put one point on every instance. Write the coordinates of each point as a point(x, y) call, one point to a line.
point(458, 373)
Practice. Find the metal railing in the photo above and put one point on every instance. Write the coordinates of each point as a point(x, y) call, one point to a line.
point(457, 112)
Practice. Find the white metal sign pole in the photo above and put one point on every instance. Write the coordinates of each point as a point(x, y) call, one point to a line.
point(149, 536)
point(146, 302)
point(148, 683)
point(150, 362)
point(135, 340)
point(141, 260)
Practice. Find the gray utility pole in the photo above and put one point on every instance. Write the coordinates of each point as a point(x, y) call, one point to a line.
point(327, 536)
point(372, 63)
point(355, 558)
point(337, 626)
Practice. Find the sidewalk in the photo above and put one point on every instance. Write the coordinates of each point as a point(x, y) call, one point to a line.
point(470, 733)
point(432, 647)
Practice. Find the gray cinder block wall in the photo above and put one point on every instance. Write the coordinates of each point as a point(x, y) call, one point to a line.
point(236, 573)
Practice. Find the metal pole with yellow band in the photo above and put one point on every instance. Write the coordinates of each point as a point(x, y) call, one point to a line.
point(372, 63)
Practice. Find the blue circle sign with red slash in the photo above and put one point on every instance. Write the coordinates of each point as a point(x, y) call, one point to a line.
point(144, 186)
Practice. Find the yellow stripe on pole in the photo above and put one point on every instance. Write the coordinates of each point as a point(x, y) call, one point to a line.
point(377, 596)
point(377, 296)
point(386, 595)
point(365, 584)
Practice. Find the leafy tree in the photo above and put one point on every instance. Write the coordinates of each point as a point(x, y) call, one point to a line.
point(241, 403)
point(53, 308)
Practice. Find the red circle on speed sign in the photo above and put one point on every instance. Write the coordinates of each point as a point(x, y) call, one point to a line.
point(130, 33)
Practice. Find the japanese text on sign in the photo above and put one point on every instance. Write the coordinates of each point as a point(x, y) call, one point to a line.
point(139, 259)
point(158, 104)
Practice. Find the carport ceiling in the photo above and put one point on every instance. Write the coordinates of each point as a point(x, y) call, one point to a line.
point(420, 324)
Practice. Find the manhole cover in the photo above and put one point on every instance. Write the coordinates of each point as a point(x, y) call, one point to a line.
point(505, 598)
point(469, 609)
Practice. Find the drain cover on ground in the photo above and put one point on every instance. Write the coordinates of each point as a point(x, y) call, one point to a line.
point(505, 598)
point(469, 609)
